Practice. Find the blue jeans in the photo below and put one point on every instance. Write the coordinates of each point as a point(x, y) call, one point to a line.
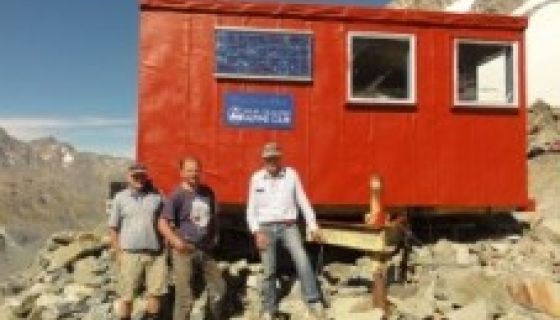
point(290, 238)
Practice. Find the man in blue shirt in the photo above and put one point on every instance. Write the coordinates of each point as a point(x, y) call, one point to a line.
point(132, 223)
point(191, 210)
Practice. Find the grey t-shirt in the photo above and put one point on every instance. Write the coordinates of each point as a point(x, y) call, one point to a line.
point(134, 215)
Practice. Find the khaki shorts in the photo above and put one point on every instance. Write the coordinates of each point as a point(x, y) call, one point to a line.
point(137, 269)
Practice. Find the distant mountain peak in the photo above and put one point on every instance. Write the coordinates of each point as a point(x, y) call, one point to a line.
point(4, 135)
point(51, 142)
point(46, 140)
point(48, 152)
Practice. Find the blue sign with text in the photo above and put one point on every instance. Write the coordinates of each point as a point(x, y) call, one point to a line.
point(262, 110)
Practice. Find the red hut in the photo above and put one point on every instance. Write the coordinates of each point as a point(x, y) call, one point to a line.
point(432, 102)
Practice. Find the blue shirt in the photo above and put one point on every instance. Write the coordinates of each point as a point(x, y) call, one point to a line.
point(193, 214)
point(134, 215)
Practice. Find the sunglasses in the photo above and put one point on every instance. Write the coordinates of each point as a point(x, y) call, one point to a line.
point(138, 175)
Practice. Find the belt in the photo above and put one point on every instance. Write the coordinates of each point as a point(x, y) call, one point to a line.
point(279, 222)
point(144, 251)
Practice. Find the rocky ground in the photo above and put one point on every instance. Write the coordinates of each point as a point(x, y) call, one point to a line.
point(74, 277)
point(505, 267)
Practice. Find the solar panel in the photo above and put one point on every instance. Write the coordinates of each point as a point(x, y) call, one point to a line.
point(263, 54)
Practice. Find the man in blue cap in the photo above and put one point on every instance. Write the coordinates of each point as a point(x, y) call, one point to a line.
point(137, 243)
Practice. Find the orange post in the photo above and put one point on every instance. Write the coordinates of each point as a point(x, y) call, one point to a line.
point(377, 218)
point(377, 215)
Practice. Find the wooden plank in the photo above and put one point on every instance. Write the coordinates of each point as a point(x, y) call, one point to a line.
point(371, 241)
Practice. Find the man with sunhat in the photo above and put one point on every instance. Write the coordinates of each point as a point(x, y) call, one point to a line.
point(275, 193)
point(137, 243)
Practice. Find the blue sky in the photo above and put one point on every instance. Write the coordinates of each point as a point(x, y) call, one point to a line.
point(68, 68)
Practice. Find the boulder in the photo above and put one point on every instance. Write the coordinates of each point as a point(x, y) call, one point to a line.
point(6, 313)
point(476, 310)
point(13, 286)
point(237, 268)
point(295, 290)
point(139, 308)
point(49, 300)
point(353, 291)
point(544, 131)
point(255, 268)
point(37, 314)
point(421, 255)
point(5, 240)
point(463, 255)
point(82, 247)
point(200, 307)
point(22, 304)
point(550, 228)
point(100, 312)
point(444, 252)
point(500, 248)
point(294, 307)
point(63, 238)
point(253, 282)
point(538, 294)
point(90, 272)
point(463, 287)
point(419, 306)
point(338, 272)
point(76, 292)
point(354, 308)
point(362, 271)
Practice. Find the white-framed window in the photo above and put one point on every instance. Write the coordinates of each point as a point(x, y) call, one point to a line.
point(381, 68)
point(486, 73)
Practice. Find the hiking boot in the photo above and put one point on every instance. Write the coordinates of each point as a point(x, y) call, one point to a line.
point(151, 316)
point(316, 311)
point(268, 316)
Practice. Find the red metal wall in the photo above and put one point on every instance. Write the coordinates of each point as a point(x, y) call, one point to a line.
point(429, 154)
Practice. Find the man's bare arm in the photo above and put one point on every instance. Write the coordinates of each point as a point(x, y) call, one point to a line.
point(174, 240)
point(115, 244)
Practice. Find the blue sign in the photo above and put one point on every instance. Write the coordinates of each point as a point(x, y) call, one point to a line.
point(271, 111)
point(263, 54)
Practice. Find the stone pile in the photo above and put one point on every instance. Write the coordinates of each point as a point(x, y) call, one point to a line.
point(346, 288)
point(514, 277)
point(74, 277)
point(71, 278)
point(543, 129)
point(507, 277)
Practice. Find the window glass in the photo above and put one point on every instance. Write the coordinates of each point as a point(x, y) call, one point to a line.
point(485, 73)
point(381, 68)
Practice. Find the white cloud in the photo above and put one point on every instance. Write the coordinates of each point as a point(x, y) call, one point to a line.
point(34, 127)
point(98, 134)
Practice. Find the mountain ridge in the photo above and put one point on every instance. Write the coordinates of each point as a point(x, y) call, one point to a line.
point(46, 186)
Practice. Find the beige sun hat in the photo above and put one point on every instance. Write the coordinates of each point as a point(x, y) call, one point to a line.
point(271, 150)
